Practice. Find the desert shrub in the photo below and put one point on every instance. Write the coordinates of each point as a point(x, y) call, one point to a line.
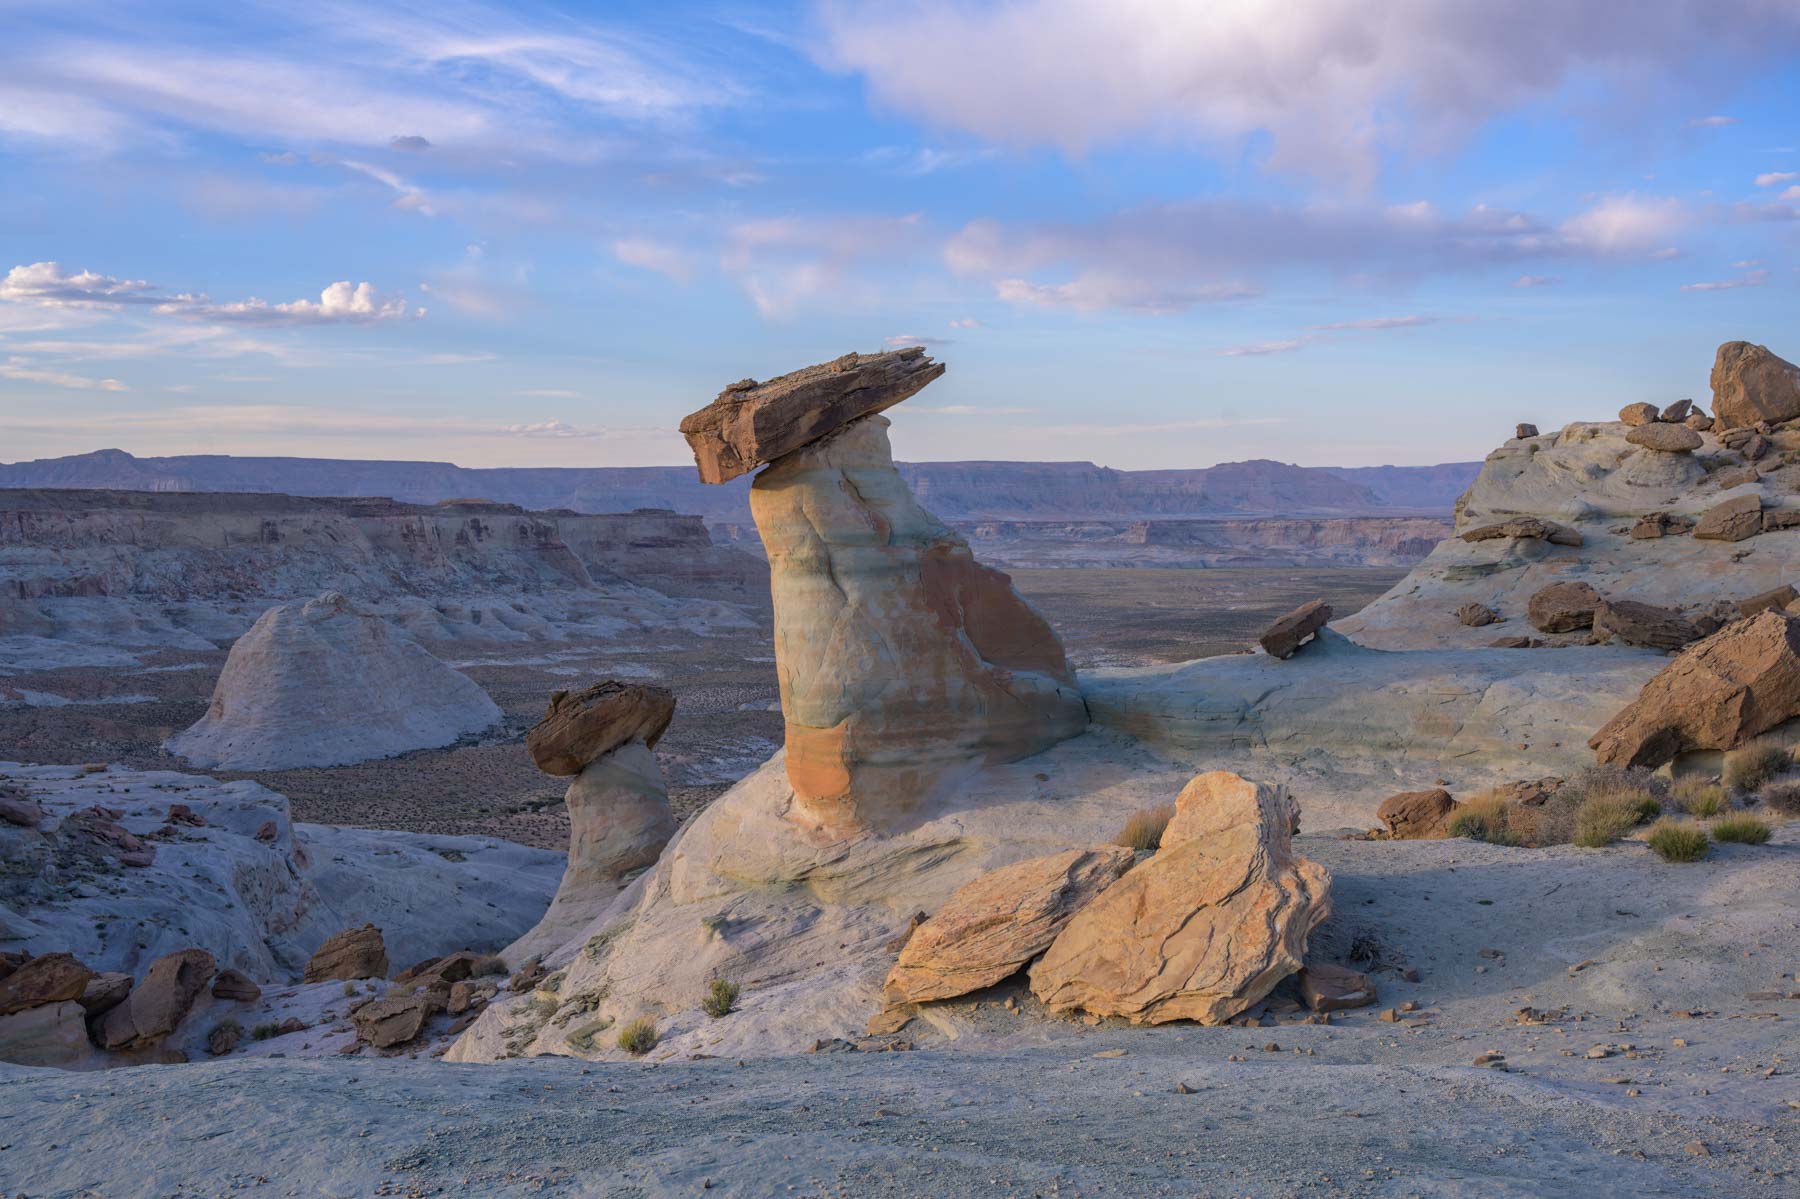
point(1745, 830)
point(1677, 840)
point(491, 964)
point(1599, 806)
point(1145, 829)
point(224, 1037)
point(349, 987)
point(1601, 821)
point(1783, 798)
point(638, 1037)
point(721, 997)
point(1748, 768)
point(1487, 818)
point(265, 1030)
point(1698, 796)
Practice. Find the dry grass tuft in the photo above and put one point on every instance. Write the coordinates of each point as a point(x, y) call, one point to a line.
point(1744, 830)
point(1749, 767)
point(1698, 796)
point(1144, 830)
point(489, 965)
point(721, 997)
point(638, 1037)
point(1487, 818)
point(1678, 840)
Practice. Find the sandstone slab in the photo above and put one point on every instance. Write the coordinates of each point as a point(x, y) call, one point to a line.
point(105, 991)
point(1204, 928)
point(1416, 815)
point(47, 978)
point(580, 726)
point(1717, 694)
point(1282, 638)
point(1328, 988)
point(394, 1019)
point(994, 925)
point(1732, 520)
point(1562, 607)
point(752, 423)
point(1750, 384)
point(1661, 524)
point(1476, 615)
point(1775, 597)
point(1528, 527)
point(52, 1034)
point(234, 986)
point(159, 1002)
point(1665, 438)
point(1648, 625)
point(350, 954)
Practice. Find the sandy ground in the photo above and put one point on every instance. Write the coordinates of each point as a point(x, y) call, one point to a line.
point(1643, 1013)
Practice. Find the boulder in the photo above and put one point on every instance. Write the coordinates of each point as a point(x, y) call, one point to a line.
point(1528, 793)
point(1562, 607)
point(1679, 411)
point(1778, 597)
point(1661, 524)
point(901, 659)
point(1640, 414)
point(580, 726)
point(51, 1034)
point(1717, 694)
point(1699, 422)
point(1515, 643)
point(1416, 815)
point(234, 986)
point(451, 968)
point(1328, 988)
point(1525, 430)
point(104, 992)
point(1735, 476)
point(1204, 928)
point(159, 1002)
point(1643, 624)
point(1282, 638)
point(753, 423)
point(324, 683)
point(1750, 384)
point(992, 926)
point(1528, 527)
point(20, 811)
point(1475, 615)
point(47, 978)
point(352, 953)
point(1665, 439)
point(394, 1019)
point(1732, 520)
point(1776, 519)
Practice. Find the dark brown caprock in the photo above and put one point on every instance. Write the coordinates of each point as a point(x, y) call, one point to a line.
point(580, 726)
point(753, 423)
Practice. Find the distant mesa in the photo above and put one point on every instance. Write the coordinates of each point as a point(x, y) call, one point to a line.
point(325, 683)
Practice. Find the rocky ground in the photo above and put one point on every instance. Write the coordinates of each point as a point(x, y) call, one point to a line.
point(1637, 1016)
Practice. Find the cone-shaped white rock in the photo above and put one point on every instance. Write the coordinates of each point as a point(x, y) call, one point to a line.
point(325, 684)
point(900, 657)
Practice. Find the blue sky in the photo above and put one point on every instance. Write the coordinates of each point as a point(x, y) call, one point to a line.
point(1148, 233)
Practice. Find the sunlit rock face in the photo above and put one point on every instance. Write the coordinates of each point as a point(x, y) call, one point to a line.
point(900, 657)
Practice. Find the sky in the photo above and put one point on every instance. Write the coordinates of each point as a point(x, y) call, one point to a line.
point(1144, 233)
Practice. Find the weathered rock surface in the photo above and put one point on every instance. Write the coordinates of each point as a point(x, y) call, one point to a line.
point(104, 992)
point(52, 1034)
point(1732, 520)
point(394, 1019)
point(1528, 527)
point(1328, 988)
point(1416, 815)
point(753, 423)
point(1563, 607)
point(1282, 638)
point(1476, 615)
point(1661, 524)
point(350, 954)
point(580, 726)
point(1525, 429)
point(1775, 597)
point(1643, 624)
point(158, 1003)
point(991, 927)
point(1717, 694)
point(1750, 384)
point(1640, 414)
point(325, 683)
point(234, 986)
point(1699, 422)
point(900, 658)
point(1677, 412)
point(1204, 928)
point(1665, 438)
point(47, 978)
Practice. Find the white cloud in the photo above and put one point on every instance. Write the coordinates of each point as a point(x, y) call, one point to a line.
point(652, 255)
point(1260, 349)
point(1097, 290)
point(786, 264)
point(1627, 225)
point(901, 340)
point(966, 322)
point(339, 303)
point(1334, 83)
point(48, 285)
point(408, 197)
point(552, 428)
point(1536, 281)
point(1772, 178)
point(22, 370)
point(1376, 323)
point(1753, 279)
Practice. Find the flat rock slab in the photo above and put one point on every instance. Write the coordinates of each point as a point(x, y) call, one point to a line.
point(581, 726)
point(1563, 607)
point(1733, 520)
point(752, 423)
point(1283, 637)
point(1665, 438)
point(1529, 528)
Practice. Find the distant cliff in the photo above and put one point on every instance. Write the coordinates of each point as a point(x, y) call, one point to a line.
point(952, 490)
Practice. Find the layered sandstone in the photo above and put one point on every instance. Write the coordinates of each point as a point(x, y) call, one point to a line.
point(580, 726)
point(1750, 384)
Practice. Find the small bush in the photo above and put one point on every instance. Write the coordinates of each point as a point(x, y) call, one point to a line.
point(721, 997)
point(1748, 768)
point(638, 1037)
point(492, 964)
point(349, 987)
point(224, 1037)
point(1677, 841)
point(265, 1030)
point(1601, 821)
point(1145, 830)
point(1698, 796)
point(1486, 818)
point(1744, 830)
point(1783, 798)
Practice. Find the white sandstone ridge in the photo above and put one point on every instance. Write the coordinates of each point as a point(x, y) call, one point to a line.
point(1712, 517)
point(324, 683)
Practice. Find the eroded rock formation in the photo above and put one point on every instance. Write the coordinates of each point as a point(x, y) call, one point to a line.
point(1750, 384)
point(580, 726)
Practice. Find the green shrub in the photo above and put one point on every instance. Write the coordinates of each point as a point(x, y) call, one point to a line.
point(265, 1030)
point(1486, 818)
point(1748, 768)
point(492, 964)
point(1698, 796)
point(1601, 820)
point(1145, 829)
point(721, 997)
point(1745, 830)
point(638, 1037)
point(1783, 798)
point(1677, 840)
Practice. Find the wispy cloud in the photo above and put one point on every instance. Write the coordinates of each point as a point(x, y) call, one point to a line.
point(22, 370)
point(661, 257)
point(1377, 323)
point(1536, 281)
point(1774, 178)
point(968, 410)
point(1753, 279)
point(786, 264)
point(1180, 426)
point(1261, 349)
point(902, 340)
point(47, 284)
point(1712, 122)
